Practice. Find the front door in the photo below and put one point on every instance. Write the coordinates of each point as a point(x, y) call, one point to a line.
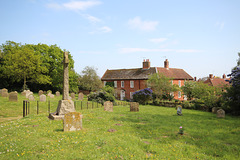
point(122, 96)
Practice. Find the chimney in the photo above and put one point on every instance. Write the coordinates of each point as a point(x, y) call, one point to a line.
point(146, 64)
point(195, 78)
point(224, 76)
point(211, 76)
point(166, 64)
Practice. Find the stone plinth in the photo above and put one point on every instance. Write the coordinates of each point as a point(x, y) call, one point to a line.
point(134, 107)
point(4, 92)
point(64, 106)
point(13, 96)
point(80, 96)
point(72, 121)
point(108, 106)
point(221, 113)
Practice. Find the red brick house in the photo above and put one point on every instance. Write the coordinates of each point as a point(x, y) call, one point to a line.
point(216, 81)
point(127, 81)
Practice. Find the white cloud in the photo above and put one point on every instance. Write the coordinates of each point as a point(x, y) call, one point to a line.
point(80, 5)
point(137, 23)
point(91, 18)
point(133, 50)
point(157, 40)
point(104, 29)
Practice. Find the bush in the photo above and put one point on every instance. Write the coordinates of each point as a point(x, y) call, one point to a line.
point(106, 94)
point(142, 96)
point(187, 105)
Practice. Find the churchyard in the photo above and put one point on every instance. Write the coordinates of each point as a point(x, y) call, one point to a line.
point(150, 133)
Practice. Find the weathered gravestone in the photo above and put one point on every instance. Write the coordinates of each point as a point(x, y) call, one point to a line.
point(221, 113)
point(80, 96)
point(179, 110)
point(108, 106)
point(28, 92)
point(214, 110)
point(31, 97)
point(40, 92)
point(57, 93)
point(43, 98)
point(13, 96)
point(4, 92)
point(72, 121)
point(23, 93)
point(65, 105)
point(134, 107)
point(51, 95)
point(73, 95)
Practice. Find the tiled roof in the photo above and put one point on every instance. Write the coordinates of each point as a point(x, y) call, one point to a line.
point(216, 82)
point(174, 73)
point(140, 73)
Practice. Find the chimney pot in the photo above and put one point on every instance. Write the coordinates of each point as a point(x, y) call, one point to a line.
point(166, 64)
point(146, 64)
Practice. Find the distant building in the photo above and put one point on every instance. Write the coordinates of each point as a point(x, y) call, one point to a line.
point(216, 81)
point(128, 81)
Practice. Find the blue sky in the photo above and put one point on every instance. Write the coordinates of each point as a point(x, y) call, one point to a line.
point(201, 37)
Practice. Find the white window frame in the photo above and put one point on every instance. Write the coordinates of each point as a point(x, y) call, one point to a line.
point(179, 94)
point(115, 84)
point(122, 84)
point(131, 84)
point(179, 83)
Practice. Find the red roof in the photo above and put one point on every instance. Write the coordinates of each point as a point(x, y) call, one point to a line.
point(216, 82)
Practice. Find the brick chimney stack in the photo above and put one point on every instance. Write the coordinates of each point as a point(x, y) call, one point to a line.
point(211, 76)
point(224, 76)
point(166, 64)
point(146, 64)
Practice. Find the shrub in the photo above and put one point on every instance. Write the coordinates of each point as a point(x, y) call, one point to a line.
point(106, 94)
point(187, 105)
point(142, 96)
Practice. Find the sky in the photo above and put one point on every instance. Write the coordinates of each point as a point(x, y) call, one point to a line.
point(200, 36)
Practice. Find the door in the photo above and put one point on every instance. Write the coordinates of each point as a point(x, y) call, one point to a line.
point(122, 96)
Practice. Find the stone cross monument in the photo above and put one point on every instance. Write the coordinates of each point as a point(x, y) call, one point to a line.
point(65, 105)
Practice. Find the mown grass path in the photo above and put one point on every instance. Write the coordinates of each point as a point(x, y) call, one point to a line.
point(151, 133)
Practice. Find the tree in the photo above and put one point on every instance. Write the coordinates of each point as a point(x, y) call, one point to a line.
point(89, 80)
point(161, 85)
point(21, 63)
point(142, 96)
point(187, 89)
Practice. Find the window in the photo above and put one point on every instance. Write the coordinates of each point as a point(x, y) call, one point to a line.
point(179, 94)
point(131, 95)
point(122, 84)
point(115, 84)
point(131, 84)
point(179, 83)
point(104, 83)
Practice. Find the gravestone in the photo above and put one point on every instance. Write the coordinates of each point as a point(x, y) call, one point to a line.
point(80, 96)
point(31, 97)
point(72, 121)
point(73, 95)
point(40, 92)
point(57, 93)
point(28, 92)
point(214, 110)
point(13, 96)
point(108, 106)
point(179, 110)
point(65, 105)
point(4, 92)
point(42, 98)
point(134, 107)
point(221, 113)
point(23, 93)
point(51, 95)
point(44, 92)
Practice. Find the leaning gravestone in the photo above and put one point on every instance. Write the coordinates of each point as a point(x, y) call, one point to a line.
point(108, 106)
point(134, 107)
point(221, 113)
point(42, 98)
point(73, 95)
point(214, 110)
point(65, 105)
point(31, 97)
point(13, 96)
point(72, 121)
point(40, 92)
point(57, 93)
point(80, 96)
point(179, 110)
point(4, 92)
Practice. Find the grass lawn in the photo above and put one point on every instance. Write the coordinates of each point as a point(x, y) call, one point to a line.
point(151, 133)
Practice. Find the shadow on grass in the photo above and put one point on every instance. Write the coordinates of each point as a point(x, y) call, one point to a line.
point(58, 130)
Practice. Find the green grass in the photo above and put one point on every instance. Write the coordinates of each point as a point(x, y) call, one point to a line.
point(151, 133)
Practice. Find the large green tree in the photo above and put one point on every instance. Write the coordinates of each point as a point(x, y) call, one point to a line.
point(161, 85)
point(89, 80)
point(21, 64)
